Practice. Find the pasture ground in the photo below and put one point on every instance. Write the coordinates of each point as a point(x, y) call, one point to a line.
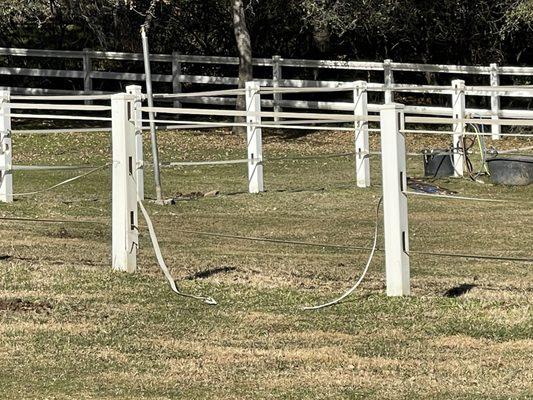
point(72, 328)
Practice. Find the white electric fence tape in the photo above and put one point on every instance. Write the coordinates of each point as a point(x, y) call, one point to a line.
point(365, 270)
point(161, 261)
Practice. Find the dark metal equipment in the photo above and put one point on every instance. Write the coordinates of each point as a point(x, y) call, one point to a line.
point(512, 170)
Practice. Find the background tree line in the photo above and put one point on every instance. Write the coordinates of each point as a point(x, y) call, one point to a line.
point(446, 31)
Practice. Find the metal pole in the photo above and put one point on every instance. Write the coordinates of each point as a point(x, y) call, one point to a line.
point(153, 135)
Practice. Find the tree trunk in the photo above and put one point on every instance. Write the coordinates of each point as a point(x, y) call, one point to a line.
point(244, 45)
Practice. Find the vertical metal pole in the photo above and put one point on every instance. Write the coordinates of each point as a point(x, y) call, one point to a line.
point(396, 223)
point(362, 146)
point(459, 106)
point(276, 78)
point(153, 134)
point(136, 117)
point(87, 71)
point(254, 138)
point(6, 174)
point(125, 236)
point(495, 101)
point(176, 73)
point(388, 81)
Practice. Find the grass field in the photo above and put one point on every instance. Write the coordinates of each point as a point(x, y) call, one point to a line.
point(71, 328)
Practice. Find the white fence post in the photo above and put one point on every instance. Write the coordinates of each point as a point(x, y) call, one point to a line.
point(6, 174)
point(388, 81)
point(125, 231)
point(495, 101)
point(136, 116)
point(276, 77)
point(395, 200)
point(176, 73)
point(362, 147)
point(459, 106)
point(87, 71)
point(254, 138)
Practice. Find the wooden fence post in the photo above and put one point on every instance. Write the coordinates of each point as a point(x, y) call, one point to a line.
point(276, 78)
point(495, 101)
point(459, 106)
point(6, 174)
point(388, 80)
point(136, 117)
point(176, 73)
point(254, 138)
point(125, 236)
point(87, 71)
point(362, 147)
point(396, 223)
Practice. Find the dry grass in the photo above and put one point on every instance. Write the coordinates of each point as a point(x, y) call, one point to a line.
point(71, 328)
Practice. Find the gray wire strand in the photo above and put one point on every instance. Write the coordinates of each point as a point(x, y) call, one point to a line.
point(70, 180)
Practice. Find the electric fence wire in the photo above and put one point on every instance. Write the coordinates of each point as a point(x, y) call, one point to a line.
point(67, 181)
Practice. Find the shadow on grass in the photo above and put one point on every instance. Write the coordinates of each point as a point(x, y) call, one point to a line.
point(210, 272)
point(460, 290)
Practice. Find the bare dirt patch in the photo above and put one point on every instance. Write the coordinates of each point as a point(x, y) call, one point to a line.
point(21, 305)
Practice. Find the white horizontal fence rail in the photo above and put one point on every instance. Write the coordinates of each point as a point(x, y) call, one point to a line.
point(88, 73)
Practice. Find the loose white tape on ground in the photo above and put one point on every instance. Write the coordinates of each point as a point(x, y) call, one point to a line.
point(161, 261)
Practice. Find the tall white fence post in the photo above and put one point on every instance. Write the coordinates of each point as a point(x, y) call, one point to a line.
point(396, 223)
point(125, 236)
point(362, 146)
point(136, 117)
point(276, 77)
point(254, 138)
point(495, 101)
point(388, 81)
point(459, 107)
point(176, 73)
point(6, 174)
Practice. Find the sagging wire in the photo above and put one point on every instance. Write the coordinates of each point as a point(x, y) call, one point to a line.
point(161, 261)
point(70, 180)
point(365, 270)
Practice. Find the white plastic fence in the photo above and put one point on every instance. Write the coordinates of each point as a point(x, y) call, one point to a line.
point(127, 159)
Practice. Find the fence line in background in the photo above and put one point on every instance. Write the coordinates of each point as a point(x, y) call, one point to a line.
point(87, 74)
